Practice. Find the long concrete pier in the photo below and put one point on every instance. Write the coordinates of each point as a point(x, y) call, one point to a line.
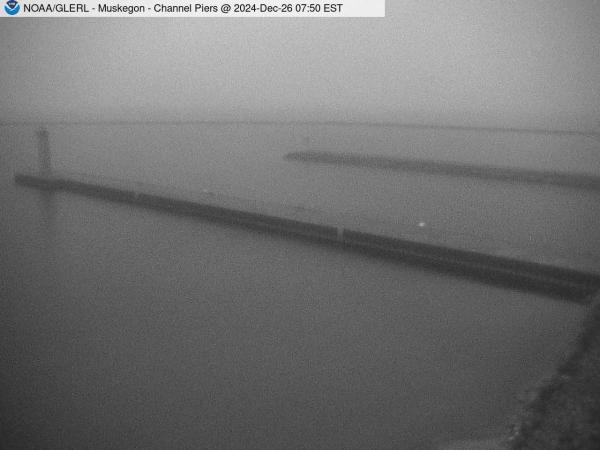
point(572, 180)
point(539, 273)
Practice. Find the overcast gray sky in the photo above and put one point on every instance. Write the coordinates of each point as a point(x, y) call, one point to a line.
point(525, 63)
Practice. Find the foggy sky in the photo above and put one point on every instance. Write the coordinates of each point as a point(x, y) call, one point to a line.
point(526, 63)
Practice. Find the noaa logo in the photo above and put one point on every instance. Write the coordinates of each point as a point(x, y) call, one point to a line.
point(12, 7)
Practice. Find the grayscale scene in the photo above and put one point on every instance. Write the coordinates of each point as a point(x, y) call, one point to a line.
point(302, 233)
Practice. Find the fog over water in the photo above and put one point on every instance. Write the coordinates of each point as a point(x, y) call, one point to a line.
point(125, 327)
point(524, 64)
point(246, 160)
point(122, 327)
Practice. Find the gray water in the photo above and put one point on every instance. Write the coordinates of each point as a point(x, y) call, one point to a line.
point(123, 327)
point(247, 160)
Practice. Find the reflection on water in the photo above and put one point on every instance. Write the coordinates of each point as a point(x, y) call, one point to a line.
point(124, 328)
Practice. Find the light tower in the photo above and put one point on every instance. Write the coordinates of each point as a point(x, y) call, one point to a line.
point(45, 159)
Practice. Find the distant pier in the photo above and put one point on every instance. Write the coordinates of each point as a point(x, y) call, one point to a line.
point(573, 180)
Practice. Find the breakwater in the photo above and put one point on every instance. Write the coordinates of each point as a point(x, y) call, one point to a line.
point(530, 274)
point(573, 180)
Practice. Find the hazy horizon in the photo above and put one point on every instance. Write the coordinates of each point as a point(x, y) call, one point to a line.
point(527, 64)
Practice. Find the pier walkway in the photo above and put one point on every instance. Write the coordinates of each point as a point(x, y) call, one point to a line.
point(570, 276)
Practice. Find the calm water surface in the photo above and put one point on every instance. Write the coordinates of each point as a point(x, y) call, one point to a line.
point(123, 327)
point(247, 160)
